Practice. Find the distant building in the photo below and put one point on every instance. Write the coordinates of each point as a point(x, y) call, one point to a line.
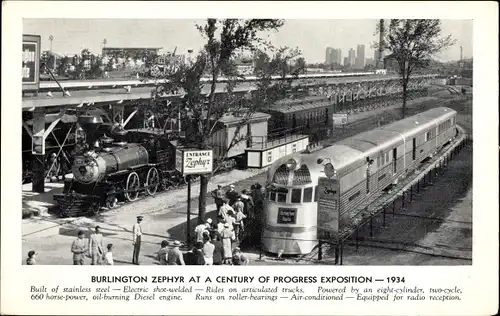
point(329, 56)
point(352, 57)
point(360, 60)
point(370, 62)
point(129, 50)
point(346, 62)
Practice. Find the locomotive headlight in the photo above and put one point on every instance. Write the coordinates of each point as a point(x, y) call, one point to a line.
point(291, 164)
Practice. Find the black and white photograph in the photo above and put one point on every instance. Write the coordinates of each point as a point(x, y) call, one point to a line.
point(331, 148)
point(247, 142)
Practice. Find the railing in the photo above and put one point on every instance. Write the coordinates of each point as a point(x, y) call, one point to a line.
point(263, 142)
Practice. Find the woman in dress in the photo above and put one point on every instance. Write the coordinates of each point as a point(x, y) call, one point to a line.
point(227, 238)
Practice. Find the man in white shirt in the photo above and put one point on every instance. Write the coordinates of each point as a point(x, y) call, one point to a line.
point(96, 247)
point(201, 228)
point(136, 241)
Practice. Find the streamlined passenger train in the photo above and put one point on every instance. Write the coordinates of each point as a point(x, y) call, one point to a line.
point(362, 165)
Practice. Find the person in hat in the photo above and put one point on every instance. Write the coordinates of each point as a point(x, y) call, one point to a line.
point(136, 239)
point(174, 255)
point(162, 253)
point(239, 259)
point(200, 229)
point(218, 195)
point(231, 195)
point(31, 260)
point(79, 248)
point(96, 247)
point(227, 238)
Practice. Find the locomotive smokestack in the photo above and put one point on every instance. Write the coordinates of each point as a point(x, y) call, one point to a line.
point(90, 125)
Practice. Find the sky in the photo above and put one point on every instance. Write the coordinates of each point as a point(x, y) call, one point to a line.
point(310, 36)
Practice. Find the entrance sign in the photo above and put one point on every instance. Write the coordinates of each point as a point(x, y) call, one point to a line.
point(328, 210)
point(31, 62)
point(339, 118)
point(194, 161)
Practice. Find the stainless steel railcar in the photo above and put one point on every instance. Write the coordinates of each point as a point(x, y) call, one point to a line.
point(362, 165)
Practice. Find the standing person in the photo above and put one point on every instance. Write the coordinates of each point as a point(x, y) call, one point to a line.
point(79, 248)
point(137, 235)
point(227, 238)
point(31, 260)
point(218, 251)
point(238, 225)
point(208, 251)
point(218, 195)
point(108, 258)
point(225, 208)
point(231, 195)
point(230, 219)
point(96, 248)
point(162, 253)
point(247, 200)
point(238, 205)
point(198, 254)
point(202, 228)
point(174, 255)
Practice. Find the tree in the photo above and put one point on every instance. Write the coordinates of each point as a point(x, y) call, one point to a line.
point(224, 40)
point(63, 66)
point(411, 44)
point(300, 63)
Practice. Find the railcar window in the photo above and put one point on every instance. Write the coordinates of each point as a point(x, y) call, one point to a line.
point(272, 196)
point(386, 157)
point(316, 192)
point(308, 192)
point(355, 195)
point(296, 195)
point(378, 162)
point(381, 177)
point(281, 197)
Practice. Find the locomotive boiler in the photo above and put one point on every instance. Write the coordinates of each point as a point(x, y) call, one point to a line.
point(107, 170)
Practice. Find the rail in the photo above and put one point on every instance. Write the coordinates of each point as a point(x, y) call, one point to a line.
point(72, 84)
point(145, 82)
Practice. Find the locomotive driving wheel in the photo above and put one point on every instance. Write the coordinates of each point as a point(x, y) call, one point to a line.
point(152, 181)
point(131, 190)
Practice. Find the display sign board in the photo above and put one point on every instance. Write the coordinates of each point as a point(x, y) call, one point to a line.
point(194, 161)
point(31, 62)
point(339, 118)
point(328, 210)
point(287, 215)
point(38, 145)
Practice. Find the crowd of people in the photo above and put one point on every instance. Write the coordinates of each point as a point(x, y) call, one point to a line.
point(238, 224)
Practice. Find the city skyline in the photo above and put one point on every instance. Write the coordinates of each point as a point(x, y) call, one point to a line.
point(310, 36)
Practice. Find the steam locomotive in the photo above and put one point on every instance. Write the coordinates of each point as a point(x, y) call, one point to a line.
point(107, 170)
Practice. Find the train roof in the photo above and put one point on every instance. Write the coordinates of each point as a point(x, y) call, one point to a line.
point(352, 149)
